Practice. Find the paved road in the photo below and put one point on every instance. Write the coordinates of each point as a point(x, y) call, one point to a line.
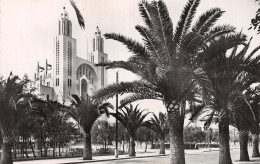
point(210, 157)
point(192, 157)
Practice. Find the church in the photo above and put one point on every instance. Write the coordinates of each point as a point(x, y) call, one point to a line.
point(70, 74)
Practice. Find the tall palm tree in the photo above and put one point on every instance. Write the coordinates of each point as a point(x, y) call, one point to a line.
point(166, 62)
point(230, 75)
point(160, 127)
point(255, 139)
point(86, 112)
point(132, 118)
point(11, 93)
point(243, 120)
point(254, 96)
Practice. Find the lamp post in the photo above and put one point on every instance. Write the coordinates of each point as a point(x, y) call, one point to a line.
point(116, 150)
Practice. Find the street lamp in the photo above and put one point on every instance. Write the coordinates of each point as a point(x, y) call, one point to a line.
point(116, 150)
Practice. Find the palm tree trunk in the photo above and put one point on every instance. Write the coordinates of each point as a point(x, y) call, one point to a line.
point(255, 140)
point(87, 151)
point(132, 147)
point(162, 146)
point(123, 146)
point(224, 151)
point(45, 149)
point(6, 157)
point(59, 150)
point(243, 141)
point(53, 149)
point(152, 147)
point(176, 121)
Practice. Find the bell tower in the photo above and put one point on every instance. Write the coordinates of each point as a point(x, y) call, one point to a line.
point(98, 56)
point(64, 56)
point(98, 42)
point(65, 26)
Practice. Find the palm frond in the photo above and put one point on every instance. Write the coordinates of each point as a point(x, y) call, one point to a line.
point(139, 96)
point(123, 87)
point(77, 99)
point(162, 28)
point(134, 67)
point(185, 20)
point(143, 9)
point(78, 13)
point(151, 44)
point(131, 117)
point(135, 47)
point(207, 20)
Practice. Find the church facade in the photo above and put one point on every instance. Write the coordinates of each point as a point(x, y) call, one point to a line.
point(70, 74)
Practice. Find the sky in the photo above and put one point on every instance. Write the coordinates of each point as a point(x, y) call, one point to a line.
point(28, 27)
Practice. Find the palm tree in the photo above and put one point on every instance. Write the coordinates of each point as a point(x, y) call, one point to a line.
point(229, 76)
point(11, 91)
point(255, 139)
point(254, 96)
point(166, 62)
point(243, 120)
point(160, 127)
point(132, 118)
point(86, 112)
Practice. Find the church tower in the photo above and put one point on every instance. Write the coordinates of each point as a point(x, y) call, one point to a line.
point(98, 56)
point(64, 57)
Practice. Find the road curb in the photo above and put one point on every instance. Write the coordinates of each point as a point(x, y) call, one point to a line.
point(113, 159)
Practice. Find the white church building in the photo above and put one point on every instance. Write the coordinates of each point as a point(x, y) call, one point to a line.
point(70, 74)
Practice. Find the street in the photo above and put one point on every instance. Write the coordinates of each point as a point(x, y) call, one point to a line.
point(201, 156)
point(210, 157)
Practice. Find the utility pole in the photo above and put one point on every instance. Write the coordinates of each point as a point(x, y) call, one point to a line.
point(116, 150)
point(234, 142)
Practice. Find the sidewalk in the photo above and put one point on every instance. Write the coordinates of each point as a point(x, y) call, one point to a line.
point(139, 154)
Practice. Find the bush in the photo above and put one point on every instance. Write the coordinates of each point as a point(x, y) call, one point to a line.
point(203, 145)
point(157, 146)
point(189, 145)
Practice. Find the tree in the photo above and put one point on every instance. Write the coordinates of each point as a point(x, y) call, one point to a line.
point(28, 127)
point(49, 119)
point(144, 134)
point(229, 74)
point(166, 62)
point(12, 92)
point(86, 112)
point(243, 120)
point(132, 118)
point(160, 127)
point(123, 135)
point(193, 134)
point(254, 96)
point(102, 132)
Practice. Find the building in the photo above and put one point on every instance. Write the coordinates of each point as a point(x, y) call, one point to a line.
point(70, 74)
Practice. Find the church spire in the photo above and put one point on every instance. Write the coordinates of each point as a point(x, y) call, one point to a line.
point(64, 14)
point(98, 43)
point(65, 26)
